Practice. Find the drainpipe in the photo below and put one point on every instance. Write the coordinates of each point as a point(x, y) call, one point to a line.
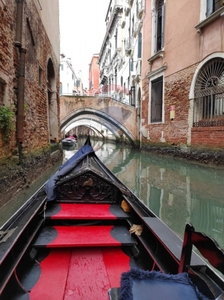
point(20, 97)
point(19, 23)
point(21, 78)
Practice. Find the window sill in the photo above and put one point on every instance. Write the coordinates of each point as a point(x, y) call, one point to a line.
point(155, 56)
point(218, 13)
point(157, 71)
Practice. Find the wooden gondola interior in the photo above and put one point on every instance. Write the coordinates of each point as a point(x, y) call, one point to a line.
point(79, 245)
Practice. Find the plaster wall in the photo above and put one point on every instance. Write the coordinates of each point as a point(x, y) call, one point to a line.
point(49, 13)
point(93, 76)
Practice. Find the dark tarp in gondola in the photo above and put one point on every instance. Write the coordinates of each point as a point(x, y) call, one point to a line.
point(64, 169)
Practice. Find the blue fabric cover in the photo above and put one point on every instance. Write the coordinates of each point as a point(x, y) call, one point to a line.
point(50, 187)
point(138, 284)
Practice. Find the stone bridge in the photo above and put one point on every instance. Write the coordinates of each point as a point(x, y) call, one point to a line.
point(120, 119)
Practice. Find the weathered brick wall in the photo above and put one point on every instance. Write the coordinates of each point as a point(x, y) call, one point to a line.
point(175, 132)
point(8, 65)
point(177, 87)
point(207, 137)
point(38, 53)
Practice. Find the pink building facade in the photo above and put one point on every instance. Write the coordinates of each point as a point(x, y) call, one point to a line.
point(183, 73)
point(94, 75)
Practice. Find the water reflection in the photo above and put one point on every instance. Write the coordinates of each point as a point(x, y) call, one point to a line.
point(176, 191)
point(179, 192)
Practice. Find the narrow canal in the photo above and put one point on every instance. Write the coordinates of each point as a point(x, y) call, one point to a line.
point(176, 191)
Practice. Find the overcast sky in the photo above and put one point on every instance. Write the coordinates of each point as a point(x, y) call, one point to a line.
point(82, 30)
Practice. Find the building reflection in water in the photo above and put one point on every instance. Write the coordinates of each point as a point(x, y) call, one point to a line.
point(176, 191)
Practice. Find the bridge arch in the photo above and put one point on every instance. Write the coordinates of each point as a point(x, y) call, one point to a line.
point(98, 116)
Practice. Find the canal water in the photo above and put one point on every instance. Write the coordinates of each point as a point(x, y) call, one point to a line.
point(175, 190)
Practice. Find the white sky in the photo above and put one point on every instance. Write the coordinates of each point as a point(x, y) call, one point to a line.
point(82, 30)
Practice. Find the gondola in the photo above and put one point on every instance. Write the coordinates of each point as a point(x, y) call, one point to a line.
point(84, 235)
point(69, 142)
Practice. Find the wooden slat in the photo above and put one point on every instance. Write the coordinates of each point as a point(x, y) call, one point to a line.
point(53, 277)
point(84, 236)
point(80, 273)
point(82, 211)
point(169, 239)
point(91, 272)
point(116, 262)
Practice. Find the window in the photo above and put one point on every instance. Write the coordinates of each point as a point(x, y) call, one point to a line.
point(40, 79)
point(139, 45)
point(209, 94)
point(131, 61)
point(115, 37)
point(156, 100)
point(132, 95)
point(159, 25)
point(213, 5)
point(133, 25)
point(2, 91)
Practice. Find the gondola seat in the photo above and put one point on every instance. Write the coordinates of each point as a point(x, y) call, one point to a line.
point(138, 284)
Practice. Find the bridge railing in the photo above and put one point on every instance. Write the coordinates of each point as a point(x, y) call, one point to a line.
point(120, 97)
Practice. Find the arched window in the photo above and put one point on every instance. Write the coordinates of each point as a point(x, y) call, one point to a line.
point(209, 94)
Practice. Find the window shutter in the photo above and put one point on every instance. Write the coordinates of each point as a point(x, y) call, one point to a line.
point(131, 64)
point(155, 33)
point(163, 23)
point(209, 9)
point(139, 45)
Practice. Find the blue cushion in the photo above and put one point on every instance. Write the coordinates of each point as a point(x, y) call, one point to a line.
point(138, 284)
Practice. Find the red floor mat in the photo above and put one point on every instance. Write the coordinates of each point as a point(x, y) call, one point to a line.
point(53, 277)
point(92, 272)
point(84, 236)
point(80, 274)
point(85, 211)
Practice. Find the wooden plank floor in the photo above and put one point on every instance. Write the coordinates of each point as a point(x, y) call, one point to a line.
point(80, 273)
point(53, 276)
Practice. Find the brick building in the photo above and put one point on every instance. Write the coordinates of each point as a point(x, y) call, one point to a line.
point(29, 73)
point(183, 73)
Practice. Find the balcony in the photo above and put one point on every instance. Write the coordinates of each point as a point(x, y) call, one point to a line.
point(128, 45)
point(136, 29)
point(104, 73)
point(140, 7)
point(130, 2)
point(121, 62)
point(127, 11)
point(123, 24)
